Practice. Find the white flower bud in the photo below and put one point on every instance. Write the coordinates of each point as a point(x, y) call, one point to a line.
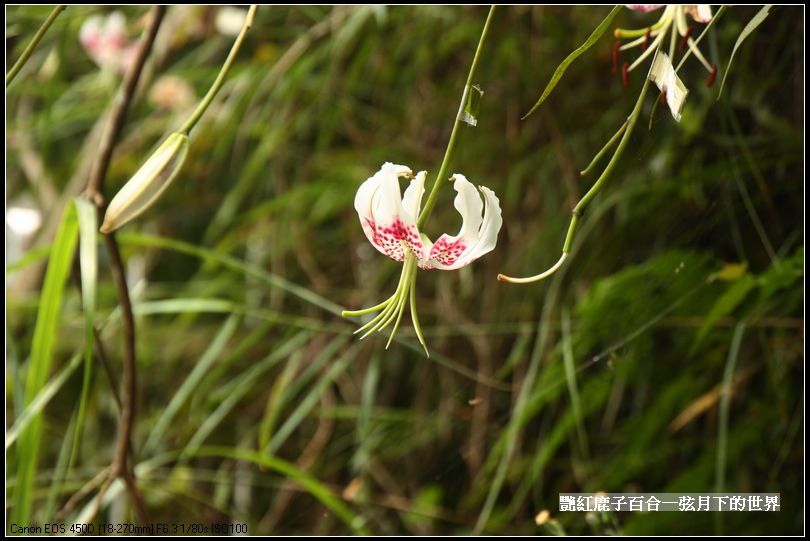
point(146, 185)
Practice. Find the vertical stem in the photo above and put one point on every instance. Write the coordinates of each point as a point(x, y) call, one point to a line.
point(15, 69)
point(121, 466)
point(434, 192)
point(223, 72)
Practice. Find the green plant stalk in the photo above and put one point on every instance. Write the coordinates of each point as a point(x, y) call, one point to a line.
point(601, 153)
point(597, 186)
point(223, 73)
point(451, 145)
point(631, 124)
point(18, 65)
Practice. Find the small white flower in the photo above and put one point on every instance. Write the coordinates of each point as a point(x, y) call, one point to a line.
point(389, 219)
point(106, 42)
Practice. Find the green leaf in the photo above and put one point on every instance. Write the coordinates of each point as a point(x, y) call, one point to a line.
point(726, 304)
point(191, 383)
point(42, 399)
point(31, 257)
point(246, 381)
point(320, 491)
point(558, 73)
point(87, 215)
point(232, 263)
point(752, 25)
point(39, 366)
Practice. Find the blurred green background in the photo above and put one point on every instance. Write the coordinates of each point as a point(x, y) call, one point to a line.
point(257, 406)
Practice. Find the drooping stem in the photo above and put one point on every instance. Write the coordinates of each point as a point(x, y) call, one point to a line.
point(597, 186)
point(18, 65)
point(434, 192)
point(223, 72)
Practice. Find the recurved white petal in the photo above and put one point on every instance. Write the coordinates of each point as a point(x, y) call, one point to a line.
point(701, 13)
point(478, 234)
point(387, 223)
point(412, 200)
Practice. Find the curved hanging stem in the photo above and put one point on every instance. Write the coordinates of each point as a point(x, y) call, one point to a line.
point(18, 65)
point(544, 274)
point(223, 72)
point(434, 192)
point(597, 186)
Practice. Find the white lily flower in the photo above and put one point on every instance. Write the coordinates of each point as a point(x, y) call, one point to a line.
point(389, 219)
point(673, 20)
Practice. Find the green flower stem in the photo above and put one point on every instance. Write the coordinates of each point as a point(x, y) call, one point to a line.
point(364, 311)
point(415, 321)
point(220, 80)
point(604, 150)
point(631, 124)
point(621, 33)
point(434, 192)
point(580, 208)
point(403, 298)
point(15, 69)
point(386, 316)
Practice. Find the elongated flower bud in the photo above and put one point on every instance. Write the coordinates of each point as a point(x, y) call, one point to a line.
point(148, 183)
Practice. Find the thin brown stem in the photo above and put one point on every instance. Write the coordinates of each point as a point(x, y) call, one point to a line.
point(121, 465)
point(83, 492)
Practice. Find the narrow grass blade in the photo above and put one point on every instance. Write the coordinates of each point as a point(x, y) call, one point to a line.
point(231, 263)
point(39, 366)
point(61, 472)
point(87, 216)
point(320, 491)
point(31, 257)
point(725, 401)
point(571, 378)
point(311, 400)
point(42, 399)
point(558, 73)
point(752, 25)
point(248, 380)
point(188, 387)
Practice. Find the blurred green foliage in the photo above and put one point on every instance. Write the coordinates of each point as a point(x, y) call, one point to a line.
point(256, 406)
